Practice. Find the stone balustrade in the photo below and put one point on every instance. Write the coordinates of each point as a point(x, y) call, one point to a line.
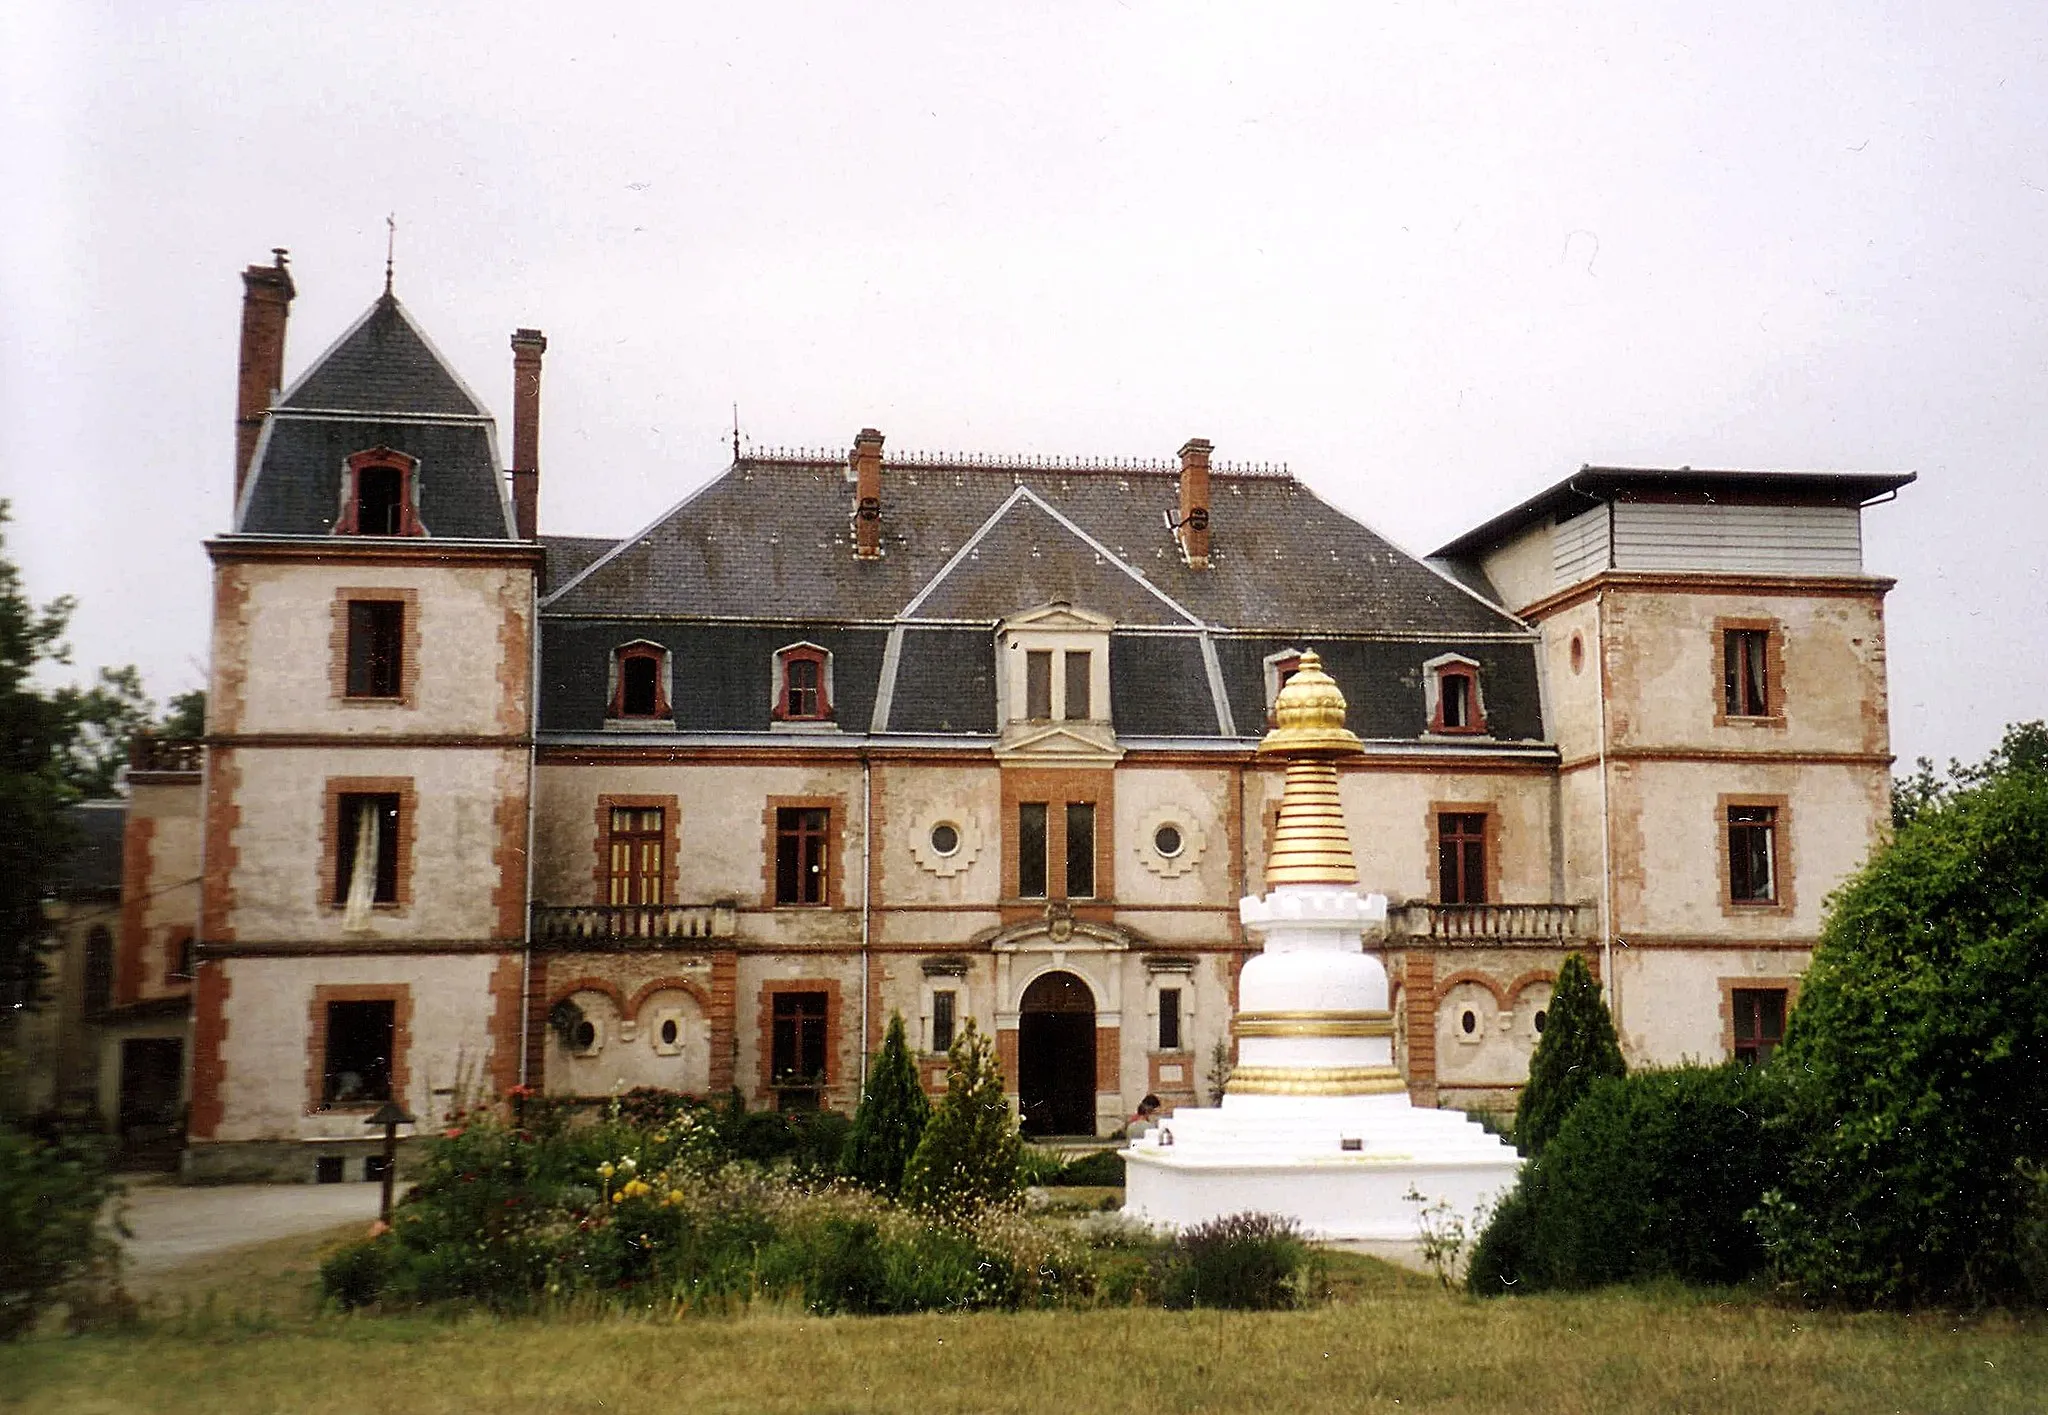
point(1493, 923)
point(575, 927)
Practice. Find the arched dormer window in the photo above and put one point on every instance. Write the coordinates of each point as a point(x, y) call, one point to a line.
point(1451, 693)
point(639, 681)
point(803, 684)
point(380, 495)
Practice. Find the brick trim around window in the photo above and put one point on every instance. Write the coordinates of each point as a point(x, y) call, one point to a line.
point(400, 996)
point(407, 467)
point(330, 835)
point(409, 645)
point(780, 710)
point(1491, 811)
point(835, 855)
point(601, 848)
point(1730, 986)
point(765, 1021)
point(1774, 672)
point(664, 684)
point(1059, 789)
point(1781, 857)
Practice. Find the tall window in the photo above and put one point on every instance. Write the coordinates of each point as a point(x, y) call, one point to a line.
point(1759, 1022)
point(638, 841)
point(380, 492)
point(1038, 684)
point(366, 854)
point(1461, 857)
point(1031, 849)
point(797, 1063)
point(1752, 852)
point(376, 648)
point(801, 836)
point(640, 681)
point(1457, 701)
point(1077, 685)
point(1169, 1019)
point(357, 1063)
point(942, 1019)
point(803, 684)
point(1456, 705)
point(1080, 850)
point(1745, 672)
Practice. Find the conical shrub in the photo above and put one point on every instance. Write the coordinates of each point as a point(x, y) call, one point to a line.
point(1577, 1049)
point(891, 1120)
point(967, 1160)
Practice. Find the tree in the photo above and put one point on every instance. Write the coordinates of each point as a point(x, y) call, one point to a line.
point(1578, 1048)
point(34, 835)
point(103, 720)
point(187, 716)
point(968, 1157)
point(1920, 1049)
point(891, 1119)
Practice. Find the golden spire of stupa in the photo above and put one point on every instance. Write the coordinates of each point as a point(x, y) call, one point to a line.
point(1310, 845)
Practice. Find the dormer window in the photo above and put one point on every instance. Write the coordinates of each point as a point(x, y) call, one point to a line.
point(640, 681)
point(1452, 695)
point(803, 684)
point(379, 495)
point(1280, 667)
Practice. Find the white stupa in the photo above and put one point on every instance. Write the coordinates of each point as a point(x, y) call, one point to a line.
point(1316, 1122)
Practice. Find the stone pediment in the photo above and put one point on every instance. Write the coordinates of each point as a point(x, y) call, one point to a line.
point(1058, 743)
point(1060, 617)
point(1059, 929)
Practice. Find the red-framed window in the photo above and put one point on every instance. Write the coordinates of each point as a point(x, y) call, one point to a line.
point(1759, 1022)
point(1461, 857)
point(803, 838)
point(380, 495)
point(803, 684)
point(1753, 854)
point(639, 681)
point(1458, 708)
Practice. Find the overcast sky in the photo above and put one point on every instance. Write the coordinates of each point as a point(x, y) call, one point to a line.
point(1433, 256)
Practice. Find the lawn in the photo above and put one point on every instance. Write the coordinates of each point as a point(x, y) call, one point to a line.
point(240, 1335)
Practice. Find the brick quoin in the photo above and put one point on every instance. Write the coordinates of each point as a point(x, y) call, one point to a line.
point(209, 1031)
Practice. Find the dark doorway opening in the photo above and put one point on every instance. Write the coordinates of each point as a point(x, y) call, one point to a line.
point(1056, 1057)
point(152, 1131)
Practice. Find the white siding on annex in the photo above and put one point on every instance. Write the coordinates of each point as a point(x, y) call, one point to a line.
point(1758, 540)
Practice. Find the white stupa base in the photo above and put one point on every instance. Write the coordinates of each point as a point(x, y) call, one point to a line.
point(1342, 1167)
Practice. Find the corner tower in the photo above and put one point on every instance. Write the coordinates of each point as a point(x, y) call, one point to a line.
point(368, 770)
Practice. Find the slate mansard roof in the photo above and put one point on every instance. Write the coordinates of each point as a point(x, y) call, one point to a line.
point(382, 384)
point(762, 557)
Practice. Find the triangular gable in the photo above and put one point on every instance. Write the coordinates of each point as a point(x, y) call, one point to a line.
point(1068, 743)
point(1027, 553)
point(1057, 616)
point(384, 363)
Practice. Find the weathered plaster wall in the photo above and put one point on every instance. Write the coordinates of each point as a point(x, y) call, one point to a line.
point(1522, 568)
point(160, 888)
point(1671, 1000)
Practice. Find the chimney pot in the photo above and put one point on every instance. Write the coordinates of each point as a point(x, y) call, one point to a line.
point(1193, 531)
point(527, 347)
point(267, 292)
point(867, 494)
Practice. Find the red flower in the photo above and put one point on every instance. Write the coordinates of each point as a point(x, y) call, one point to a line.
point(453, 1132)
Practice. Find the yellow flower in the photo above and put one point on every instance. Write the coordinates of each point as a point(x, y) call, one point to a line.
point(635, 1188)
point(605, 1170)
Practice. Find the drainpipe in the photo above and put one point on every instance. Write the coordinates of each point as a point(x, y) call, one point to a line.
point(532, 806)
point(867, 875)
point(1608, 982)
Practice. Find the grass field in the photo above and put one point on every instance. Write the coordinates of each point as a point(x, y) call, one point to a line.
point(238, 1333)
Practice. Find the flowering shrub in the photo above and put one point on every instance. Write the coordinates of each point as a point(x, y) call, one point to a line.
point(654, 1214)
point(1249, 1261)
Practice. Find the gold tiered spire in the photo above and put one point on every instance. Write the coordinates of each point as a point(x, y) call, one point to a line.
point(1310, 845)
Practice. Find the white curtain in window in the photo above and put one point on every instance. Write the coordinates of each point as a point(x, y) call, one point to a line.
point(362, 875)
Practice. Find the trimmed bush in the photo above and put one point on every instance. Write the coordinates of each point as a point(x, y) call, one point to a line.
point(353, 1277)
point(891, 1119)
point(1249, 1262)
point(51, 1247)
point(1653, 1175)
point(1102, 1167)
point(1578, 1047)
point(1921, 1045)
point(968, 1158)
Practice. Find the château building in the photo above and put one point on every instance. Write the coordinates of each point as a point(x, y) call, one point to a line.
point(860, 732)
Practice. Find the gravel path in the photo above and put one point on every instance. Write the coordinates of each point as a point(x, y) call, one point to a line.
point(176, 1224)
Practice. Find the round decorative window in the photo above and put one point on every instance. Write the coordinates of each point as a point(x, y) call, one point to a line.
point(1578, 653)
point(669, 1031)
point(584, 1035)
point(945, 839)
point(1541, 1017)
point(1469, 1022)
point(1167, 840)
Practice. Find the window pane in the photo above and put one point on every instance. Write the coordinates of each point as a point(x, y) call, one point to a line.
point(1080, 850)
point(349, 810)
point(1169, 1019)
point(1077, 687)
point(358, 1060)
point(1455, 688)
point(1461, 858)
point(1031, 849)
point(942, 1021)
point(801, 677)
point(376, 630)
point(801, 867)
point(1751, 838)
point(639, 693)
point(1745, 680)
point(1037, 684)
point(797, 1037)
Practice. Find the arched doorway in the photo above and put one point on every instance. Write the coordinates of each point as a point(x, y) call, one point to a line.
point(1056, 1056)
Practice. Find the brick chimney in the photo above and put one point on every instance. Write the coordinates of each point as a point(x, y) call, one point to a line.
point(867, 495)
point(266, 300)
point(1193, 532)
point(527, 347)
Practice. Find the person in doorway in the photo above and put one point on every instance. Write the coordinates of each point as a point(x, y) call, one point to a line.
point(1146, 1119)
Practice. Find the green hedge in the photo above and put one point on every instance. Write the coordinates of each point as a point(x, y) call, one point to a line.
point(1651, 1175)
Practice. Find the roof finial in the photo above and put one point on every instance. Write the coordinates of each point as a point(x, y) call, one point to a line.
point(735, 433)
point(390, 248)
